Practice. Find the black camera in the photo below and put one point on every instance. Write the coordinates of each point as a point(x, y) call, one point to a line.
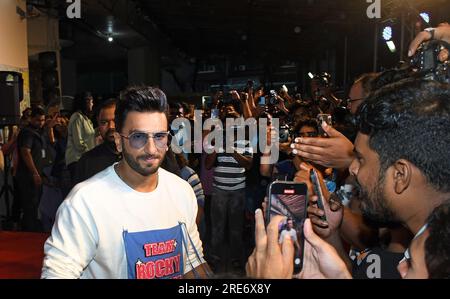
point(273, 99)
point(432, 61)
point(284, 133)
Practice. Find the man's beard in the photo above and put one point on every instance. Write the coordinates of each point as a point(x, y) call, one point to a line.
point(136, 166)
point(374, 205)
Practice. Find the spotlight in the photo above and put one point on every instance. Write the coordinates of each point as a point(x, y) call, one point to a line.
point(391, 46)
point(387, 33)
point(426, 17)
point(310, 75)
point(110, 39)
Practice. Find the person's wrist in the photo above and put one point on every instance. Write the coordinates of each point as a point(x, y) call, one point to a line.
point(431, 31)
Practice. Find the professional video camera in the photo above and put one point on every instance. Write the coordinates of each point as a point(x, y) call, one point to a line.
point(432, 60)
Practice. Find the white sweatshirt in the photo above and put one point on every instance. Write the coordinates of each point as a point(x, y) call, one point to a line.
point(87, 239)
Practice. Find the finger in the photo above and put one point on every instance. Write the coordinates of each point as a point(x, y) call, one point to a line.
point(260, 232)
point(322, 142)
point(308, 156)
point(331, 132)
point(273, 248)
point(250, 267)
point(313, 199)
point(317, 150)
point(287, 250)
point(311, 236)
point(420, 38)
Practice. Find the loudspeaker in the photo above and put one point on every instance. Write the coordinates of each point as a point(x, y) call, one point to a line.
point(11, 93)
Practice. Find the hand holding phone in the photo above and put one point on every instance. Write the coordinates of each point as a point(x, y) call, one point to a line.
point(290, 199)
point(327, 216)
point(319, 192)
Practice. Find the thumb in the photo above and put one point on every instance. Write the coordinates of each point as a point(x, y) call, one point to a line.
point(311, 236)
point(332, 132)
point(288, 253)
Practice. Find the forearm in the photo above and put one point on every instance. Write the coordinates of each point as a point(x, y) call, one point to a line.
point(246, 109)
point(29, 163)
point(51, 136)
point(245, 162)
point(210, 160)
point(266, 169)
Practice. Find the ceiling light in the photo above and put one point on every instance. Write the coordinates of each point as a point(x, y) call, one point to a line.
point(426, 17)
point(387, 33)
point(391, 46)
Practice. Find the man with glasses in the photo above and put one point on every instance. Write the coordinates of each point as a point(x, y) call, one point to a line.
point(134, 219)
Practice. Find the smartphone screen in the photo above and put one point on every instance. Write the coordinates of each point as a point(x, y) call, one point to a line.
point(214, 113)
point(290, 199)
point(318, 191)
point(262, 101)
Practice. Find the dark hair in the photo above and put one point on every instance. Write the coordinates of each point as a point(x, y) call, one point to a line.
point(80, 102)
point(366, 81)
point(312, 122)
point(106, 104)
point(139, 99)
point(388, 77)
point(37, 111)
point(437, 249)
point(409, 120)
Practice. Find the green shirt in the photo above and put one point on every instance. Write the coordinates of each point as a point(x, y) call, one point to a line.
point(81, 137)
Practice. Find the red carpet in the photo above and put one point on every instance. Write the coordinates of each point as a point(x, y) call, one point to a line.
point(21, 254)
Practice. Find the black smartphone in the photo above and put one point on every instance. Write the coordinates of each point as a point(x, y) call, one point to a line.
point(290, 199)
point(318, 191)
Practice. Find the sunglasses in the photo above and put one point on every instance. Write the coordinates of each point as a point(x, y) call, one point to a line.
point(138, 140)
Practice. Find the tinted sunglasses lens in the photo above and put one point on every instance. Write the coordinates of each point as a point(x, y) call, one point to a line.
point(138, 140)
point(160, 139)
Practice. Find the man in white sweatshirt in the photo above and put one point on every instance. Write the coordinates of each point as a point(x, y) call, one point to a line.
point(134, 219)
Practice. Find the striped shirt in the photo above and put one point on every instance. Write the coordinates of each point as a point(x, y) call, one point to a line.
point(189, 175)
point(228, 174)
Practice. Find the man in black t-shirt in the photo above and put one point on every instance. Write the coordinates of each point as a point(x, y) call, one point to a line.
point(33, 156)
point(104, 154)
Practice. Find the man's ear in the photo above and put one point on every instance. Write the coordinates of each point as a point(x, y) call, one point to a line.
point(402, 175)
point(117, 141)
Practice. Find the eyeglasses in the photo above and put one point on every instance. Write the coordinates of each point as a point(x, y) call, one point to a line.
point(139, 139)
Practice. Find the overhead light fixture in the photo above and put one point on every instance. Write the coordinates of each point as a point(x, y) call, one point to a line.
point(110, 39)
point(391, 46)
point(310, 75)
point(426, 17)
point(387, 33)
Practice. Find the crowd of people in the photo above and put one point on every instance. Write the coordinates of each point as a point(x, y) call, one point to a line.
point(120, 202)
